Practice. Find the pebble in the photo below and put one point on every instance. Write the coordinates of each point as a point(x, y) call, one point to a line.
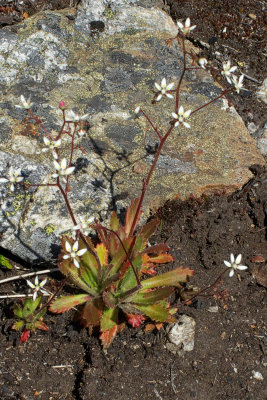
point(257, 375)
point(181, 335)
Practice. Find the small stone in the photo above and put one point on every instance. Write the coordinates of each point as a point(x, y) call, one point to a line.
point(252, 127)
point(262, 92)
point(181, 335)
point(257, 375)
point(213, 309)
point(262, 146)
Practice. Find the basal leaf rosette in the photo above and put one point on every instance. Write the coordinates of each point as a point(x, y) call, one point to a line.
point(111, 277)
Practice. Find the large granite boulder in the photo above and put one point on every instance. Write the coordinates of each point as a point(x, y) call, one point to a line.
point(104, 61)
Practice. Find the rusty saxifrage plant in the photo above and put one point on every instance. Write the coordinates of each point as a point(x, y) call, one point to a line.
point(111, 276)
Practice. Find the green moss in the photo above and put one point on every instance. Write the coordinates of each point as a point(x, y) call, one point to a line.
point(109, 13)
point(49, 229)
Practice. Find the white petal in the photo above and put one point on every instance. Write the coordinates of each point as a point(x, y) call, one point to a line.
point(58, 143)
point(176, 124)
point(231, 273)
point(83, 117)
point(181, 110)
point(81, 252)
point(63, 163)
point(67, 246)
point(3, 180)
point(66, 257)
point(158, 87)
point(75, 246)
point(170, 96)
point(34, 296)
point(36, 281)
point(170, 86)
point(137, 110)
point(175, 116)
point(187, 113)
point(241, 267)
point(77, 265)
point(29, 283)
point(43, 282)
point(163, 83)
point(186, 124)
point(46, 141)
point(227, 264)
point(69, 170)
point(12, 187)
point(19, 179)
point(180, 25)
point(238, 259)
point(193, 27)
point(187, 22)
point(233, 69)
point(57, 166)
point(232, 258)
point(55, 176)
point(159, 97)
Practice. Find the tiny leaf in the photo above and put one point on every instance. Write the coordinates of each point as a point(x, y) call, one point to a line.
point(107, 336)
point(5, 263)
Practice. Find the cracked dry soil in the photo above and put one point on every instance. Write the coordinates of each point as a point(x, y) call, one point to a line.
point(66, 363)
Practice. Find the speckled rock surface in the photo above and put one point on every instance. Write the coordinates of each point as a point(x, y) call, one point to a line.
point(104, 61)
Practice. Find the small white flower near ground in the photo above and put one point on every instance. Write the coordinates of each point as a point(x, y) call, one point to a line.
point(74, 252)
point(203, 62)
point(186, 28)
point(181, 116)
point(163, 89)
point(71, 116)
point(62, 169)
point(84, 226)
point(234, 264)
point(13, 178)
point(238, 83)
point(228, 71)
point(37, 287)
point(51, 145)
point(26, 104)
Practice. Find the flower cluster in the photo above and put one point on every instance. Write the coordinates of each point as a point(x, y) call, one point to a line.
point(37, 287)
point(227, 72)
point(13, 178)
point(163, 89)
point(181, 116)
point(74, 252)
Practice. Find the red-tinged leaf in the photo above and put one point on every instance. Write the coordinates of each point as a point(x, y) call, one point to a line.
point(158, 248)
point(161, 258)
point(68, 269)
point(102, 253)
point(24, 336)
point(41, 325)
point(171, 278)
point(157, 312)
point(107, 336)
point(258, 259)
point(65, 303)
point(135, 320)
point(147, 231)
point(151, 296)
point(130, 215)
point(109, 300)
point(92, 312)
point(17, 325)
point(114, 221)
point(120, 256)
point(108, 319)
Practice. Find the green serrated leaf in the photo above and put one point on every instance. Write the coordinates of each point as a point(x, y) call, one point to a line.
point(171, 278)
point(65, 303)
point(5, 263)
point(157, 312)
point(151, 297)
point(108, 319)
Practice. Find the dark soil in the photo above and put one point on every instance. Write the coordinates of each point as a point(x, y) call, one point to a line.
point(67, 363)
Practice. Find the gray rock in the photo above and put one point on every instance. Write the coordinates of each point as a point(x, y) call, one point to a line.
point(104, 61)
point(181, 335)
point(262, 91)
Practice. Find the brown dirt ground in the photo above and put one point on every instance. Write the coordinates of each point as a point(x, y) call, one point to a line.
point(66, 363)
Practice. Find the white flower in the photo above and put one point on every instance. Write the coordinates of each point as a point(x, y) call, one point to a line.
point(180, 118)
point(51, 145)
point(84, 225)
point(73, 117)
point(163, 88)
point(81, 133)
point(62, 169)
point(228, 71)
point(25, 103)
point(37, 287)
point(137, 110)
point(14, 177)
point(238, 84)
point(203, 62)
point(74, 252)
point(186, 28)
point(234, 264)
